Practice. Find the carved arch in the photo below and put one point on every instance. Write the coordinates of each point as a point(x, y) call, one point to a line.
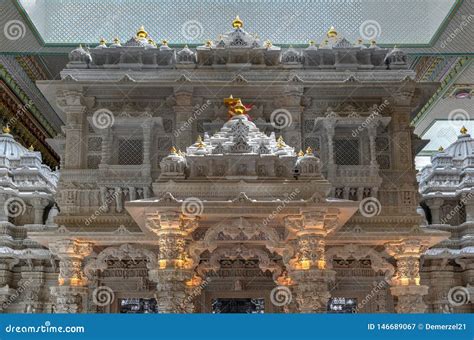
point(378, 263)
point(122, 252)
point(235, 228)
point(241, 252)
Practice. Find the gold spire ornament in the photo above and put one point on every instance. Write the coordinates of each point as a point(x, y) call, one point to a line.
point(209, 43)
point(463, 131)
point(280, 143)
point(173, 150)
point(311, 43)
point(239, 108)
point(164, 42)
point(6, 129)
point(309, 151)
point(301, 153)
point(200, 143)
point(268, 44)
point(102, 42)
point(116, 40)
point(31, 148)
point(440, 149)
point(237, 23)
point(332, 33)
point(141, 33)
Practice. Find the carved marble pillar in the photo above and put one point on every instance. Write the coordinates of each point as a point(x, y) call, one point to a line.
point(72, 103)
point(6, 276)
point(292, 104)
point(402, 153)
point(39, 204)
point(372, 133)
point(106, 151)
point(3, 214)
point(146, 148)
point(435, 208)
point(175, 266)
point(468, 200)
point(30, 287)
point(307, 267)
point(184, 117)
point(406, 281)
point(71, 293)
point(330, 126)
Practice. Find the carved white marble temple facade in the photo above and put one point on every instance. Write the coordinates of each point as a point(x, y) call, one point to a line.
point(169, 192)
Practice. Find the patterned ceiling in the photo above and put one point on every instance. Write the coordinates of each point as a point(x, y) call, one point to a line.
point(282, 21)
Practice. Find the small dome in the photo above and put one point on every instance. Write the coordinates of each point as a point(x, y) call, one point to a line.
point(79, 54)
point(9, 147)
point(462, 147)
point(116, 43)
point(186, 55)
point(291, 56)
point(102, 44)
point(396, 56)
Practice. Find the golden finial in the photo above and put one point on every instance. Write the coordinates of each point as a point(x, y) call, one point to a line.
point(31, 148)
point(324, 42)
point(116, 40)
point(309, 151)
point(360, 41)
point(280, 143)
point(200, 143)
point(237, 23)
point(440, 149)
point(141, 33)
point(373, 42)
point(231, 101)
point(6, 129)
point(164, 42)
point(238, 108)
point(268, 44)
point(301, 153)
point(173, 150)
point(463, 130)
point(332, 33)
point(151, 42)
point(209, 43)
point(311, 43)
point(102, 42)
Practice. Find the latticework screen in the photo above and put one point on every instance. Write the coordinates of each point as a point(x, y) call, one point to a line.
point(347, 151)
point(130, 152)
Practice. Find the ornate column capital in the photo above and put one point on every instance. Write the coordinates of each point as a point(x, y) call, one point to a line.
point(71, 254)
point(71, 248)
point(406, 281)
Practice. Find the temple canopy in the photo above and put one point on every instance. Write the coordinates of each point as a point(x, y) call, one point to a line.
point(185, 21)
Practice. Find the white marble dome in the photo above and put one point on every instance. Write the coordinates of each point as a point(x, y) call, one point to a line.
point(9, 147)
